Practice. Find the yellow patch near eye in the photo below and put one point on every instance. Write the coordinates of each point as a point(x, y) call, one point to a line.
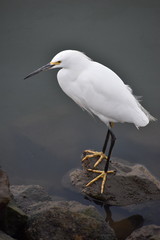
point(55, 63)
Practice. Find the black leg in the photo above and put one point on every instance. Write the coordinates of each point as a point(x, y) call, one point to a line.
point(113, 139)
point(106, 142)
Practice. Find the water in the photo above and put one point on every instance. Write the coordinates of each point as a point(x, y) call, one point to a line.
point(42, 132)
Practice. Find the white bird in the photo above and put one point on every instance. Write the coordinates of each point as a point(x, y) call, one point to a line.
point(100, 91)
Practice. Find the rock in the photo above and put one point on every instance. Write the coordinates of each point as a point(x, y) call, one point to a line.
point(151, 232)
point(58, 220)
point(14, 220)
point(5, 195)
point(4, 236)
point(67, 220)
point(27, 195)
point(132, 184)
point(5, 199)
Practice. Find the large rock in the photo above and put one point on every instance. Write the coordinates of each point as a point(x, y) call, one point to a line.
point(59, 220)
point(151, 232)
point(132, 184)
point(67, 220)
point(5, 195)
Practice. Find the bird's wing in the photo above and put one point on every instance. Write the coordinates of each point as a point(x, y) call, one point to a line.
point(106, 95)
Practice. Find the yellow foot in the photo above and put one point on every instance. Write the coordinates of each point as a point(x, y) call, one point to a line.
point(102, 175)
point(92, 154)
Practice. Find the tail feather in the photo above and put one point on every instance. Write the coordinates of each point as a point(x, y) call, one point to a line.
point(149, 116)
point(145, 117)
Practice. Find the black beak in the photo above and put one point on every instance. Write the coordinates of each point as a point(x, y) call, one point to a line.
point(44, 68)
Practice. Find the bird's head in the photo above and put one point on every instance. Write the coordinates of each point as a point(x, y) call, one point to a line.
point(64, 59)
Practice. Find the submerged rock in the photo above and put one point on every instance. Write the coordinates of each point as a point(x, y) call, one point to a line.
point(150, 232)
point(132, 184)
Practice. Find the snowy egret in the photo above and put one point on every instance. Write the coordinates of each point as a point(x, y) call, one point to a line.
point(98, 90)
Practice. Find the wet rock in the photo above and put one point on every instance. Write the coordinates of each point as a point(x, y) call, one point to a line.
point(27, 195)
point(4, 236)
point(151, 232)
point(132, 184)
point(5, 195)
point(59, 220)
point(67, 220)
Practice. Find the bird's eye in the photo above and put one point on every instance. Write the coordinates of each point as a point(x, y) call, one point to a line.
point(59, 62)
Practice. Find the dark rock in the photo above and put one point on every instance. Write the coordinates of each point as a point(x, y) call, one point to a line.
point(14, 220)
point(132, 184)
point(27, 195)
point(59, 220)
point(5, 195)
point(4, 236)
point(67, 220)
point(151, 232)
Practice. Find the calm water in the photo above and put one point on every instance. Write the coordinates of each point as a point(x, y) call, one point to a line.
point(42, 132)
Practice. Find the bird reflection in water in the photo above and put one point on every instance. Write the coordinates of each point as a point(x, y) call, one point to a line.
point(124, 227)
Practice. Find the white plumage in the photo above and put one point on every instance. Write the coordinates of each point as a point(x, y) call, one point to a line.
point(98, 89)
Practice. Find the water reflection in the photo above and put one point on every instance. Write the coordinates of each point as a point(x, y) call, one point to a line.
point(126, 219)
point(124, 227)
